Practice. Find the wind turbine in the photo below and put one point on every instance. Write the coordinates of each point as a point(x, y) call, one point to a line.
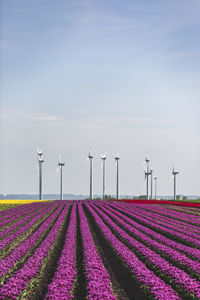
point(155, 180)
point(174, 173)
point(90, 157)
point(116, 157)
point(60, 166)
point(40, 161)
point(147, 173)
point(103, 157)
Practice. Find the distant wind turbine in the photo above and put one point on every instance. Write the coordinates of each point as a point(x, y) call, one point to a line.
point(40, 161)
point(60, 166)
point(116, 157)
point(90, 157)
point(147, 173)
point(103, 157)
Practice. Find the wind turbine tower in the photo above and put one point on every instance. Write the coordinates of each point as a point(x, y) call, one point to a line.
point(155, 180)
point(60, 166)
point(40, 161)
point(174, 173)
point(103, 157)
point(147, 173)
point(116, 157)
point(90, 157)
point(151, 171)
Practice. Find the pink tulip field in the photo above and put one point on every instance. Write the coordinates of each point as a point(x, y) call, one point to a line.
point(94, 249)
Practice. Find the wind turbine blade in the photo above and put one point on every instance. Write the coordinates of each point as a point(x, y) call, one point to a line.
point(90, 149)
point(143, 188)
point(57, 171)
point(86, 160)
point(170, 180)
point(144, 166)
point(101, 167)
point(59, 157)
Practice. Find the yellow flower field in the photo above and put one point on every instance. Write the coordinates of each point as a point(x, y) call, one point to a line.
point(9, 203)
point(19, 201)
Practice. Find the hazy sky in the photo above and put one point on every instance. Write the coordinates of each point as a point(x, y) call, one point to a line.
point(120, 75)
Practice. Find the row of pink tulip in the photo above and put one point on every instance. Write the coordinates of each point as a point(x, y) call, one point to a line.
point(180, 278)
point(169, 220)
point(15, 210)
point(157, 287)
point(174, 225)
point(98, 279)
point(20, 279)
point(191, 251)
point(172, 232)
point(25, 247)
point(62, 282)
point(21, 210)
point(15, 217)
point(23, 220)
point(130, 225)
point(22, 230)
point(170, 212)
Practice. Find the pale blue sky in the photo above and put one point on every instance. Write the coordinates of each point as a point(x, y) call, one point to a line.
point(122, 75)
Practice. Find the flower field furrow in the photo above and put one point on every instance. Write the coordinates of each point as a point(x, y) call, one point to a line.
point(172, 232)
point(18, 282)
point(62, 282)
point(23, 248)
point(21, 221)
point(127, 224)
point(98, 280)
point(148, 279)
point(162, 238)
point(180, 277)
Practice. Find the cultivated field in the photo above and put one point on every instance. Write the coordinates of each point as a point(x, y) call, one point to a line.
point(99, 250)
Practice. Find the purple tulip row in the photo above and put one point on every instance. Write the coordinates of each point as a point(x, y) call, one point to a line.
point(179, 276)
point(168, 220)
point(164, 229)
point(158, 288)
point(15, 209)
point(22, 230)
point(161, 221)
point(129, 225)
point(20, 211)
point(161, 238)
point(175, 214)
point(18, 282)
point(22, 221)
point(62, 282)
point(23, 248)
point(98, 279)
point(14, 218)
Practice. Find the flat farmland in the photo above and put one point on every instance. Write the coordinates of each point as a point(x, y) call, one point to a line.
point(99, 250)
